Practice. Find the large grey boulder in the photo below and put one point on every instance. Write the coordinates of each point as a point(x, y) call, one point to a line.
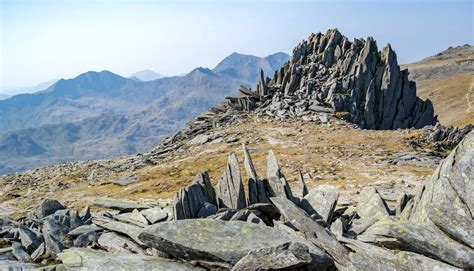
point(402, 235)
point(131, 231)
point(369, 257)
point(20, 253)
point(321, 201)
point(78, 259)
point(113, 242)
point(221, 243)
point(314, 232)
point(29, 239)
point(446, 202)
point(48, 207)
point(371, 204)
point(155, 215)
point(230, 189)
point(284, 256)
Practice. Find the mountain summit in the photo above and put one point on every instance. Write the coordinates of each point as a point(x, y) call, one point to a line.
point(146, 75)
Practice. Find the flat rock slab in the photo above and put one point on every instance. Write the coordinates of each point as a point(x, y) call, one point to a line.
point(223, 243)
point(15, 265)
point(89, 259)
point(125, 181)
point(120, 204)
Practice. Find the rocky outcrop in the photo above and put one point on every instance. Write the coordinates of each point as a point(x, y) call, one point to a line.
point(353, 77)
point(430, 231)
point(442, 137)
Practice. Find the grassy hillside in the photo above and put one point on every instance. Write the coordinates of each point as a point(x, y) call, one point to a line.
point(447, 79)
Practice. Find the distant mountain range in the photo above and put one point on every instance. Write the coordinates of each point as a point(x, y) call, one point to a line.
point(4, 96)
point(28, 89)
point(101, 114)
point(146, 75)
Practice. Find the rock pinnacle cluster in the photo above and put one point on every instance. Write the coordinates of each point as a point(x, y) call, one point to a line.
point(354, 77)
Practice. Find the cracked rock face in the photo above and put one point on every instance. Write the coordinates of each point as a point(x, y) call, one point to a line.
point(446, 202)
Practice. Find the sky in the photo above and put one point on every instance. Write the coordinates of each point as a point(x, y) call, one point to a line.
point(45, 40)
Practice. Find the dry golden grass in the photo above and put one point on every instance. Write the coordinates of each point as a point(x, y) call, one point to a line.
point(339, 155)
point(453, 99)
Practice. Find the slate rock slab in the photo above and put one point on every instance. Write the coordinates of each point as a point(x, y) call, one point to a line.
point(121, 204)
point(370, 203)
point(314, 232)
point(222, 243)
point(287, 255)
point(78, 259)
point(321, 201)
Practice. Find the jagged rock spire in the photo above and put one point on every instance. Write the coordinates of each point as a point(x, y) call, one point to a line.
point(230, 189)
point(257, 191)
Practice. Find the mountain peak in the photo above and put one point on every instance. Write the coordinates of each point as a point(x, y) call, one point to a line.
point(146, 75)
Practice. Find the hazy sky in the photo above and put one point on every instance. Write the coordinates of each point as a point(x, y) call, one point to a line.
point(44, 40)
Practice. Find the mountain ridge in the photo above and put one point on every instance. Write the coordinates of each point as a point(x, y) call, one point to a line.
point(149, 111)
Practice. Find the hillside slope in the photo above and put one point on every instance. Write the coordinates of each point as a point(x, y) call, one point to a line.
point(447, 79)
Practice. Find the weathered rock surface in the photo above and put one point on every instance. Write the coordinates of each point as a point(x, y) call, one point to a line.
point(371, 203)
point(447, 197)
point(48, 207)
point(113, 242)
point(121, 205)
point(230, 189)
point(284, 256)
point(189, 201)
point(222, 243)
point(277, 181)
point(90, 259)
point(320, 236)
point(321, 202)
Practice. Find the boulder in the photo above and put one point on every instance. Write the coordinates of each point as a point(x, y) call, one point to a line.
point(20, 253)
point(220, 243)
point(314, 232)
point(369, 257)
point(321, 202)
point(84, 229)
point(48, 207)
point(14, 265)
point(76, 259)
point(402, 235)
point(371, 204)
point(257, 192)
point(445, 203)
point(280, 257)
point(113, 242)
point(155, 215)
point(52, 246)
point(29, 239)
point(131, 231)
